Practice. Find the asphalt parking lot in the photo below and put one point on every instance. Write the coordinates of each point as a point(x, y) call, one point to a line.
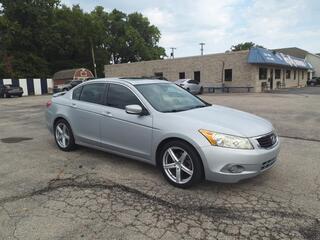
point(86, 194)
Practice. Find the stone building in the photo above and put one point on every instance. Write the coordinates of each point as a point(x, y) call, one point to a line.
point(258, 68)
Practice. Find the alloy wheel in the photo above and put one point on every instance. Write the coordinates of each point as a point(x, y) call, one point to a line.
point(178, 165)
point(62, 135)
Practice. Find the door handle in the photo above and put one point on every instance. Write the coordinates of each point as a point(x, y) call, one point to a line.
point(73, 105)
point(107, 113)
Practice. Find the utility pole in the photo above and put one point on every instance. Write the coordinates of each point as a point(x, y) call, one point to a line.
point(172, 52)
point(93, 60)
point(201, 49)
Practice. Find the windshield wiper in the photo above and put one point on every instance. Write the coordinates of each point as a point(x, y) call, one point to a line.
point(184, 109)
point(174, 110)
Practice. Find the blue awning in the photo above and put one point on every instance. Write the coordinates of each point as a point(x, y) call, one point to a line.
point(265, 56)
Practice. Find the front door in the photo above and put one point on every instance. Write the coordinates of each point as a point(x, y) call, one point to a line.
point(125, 133)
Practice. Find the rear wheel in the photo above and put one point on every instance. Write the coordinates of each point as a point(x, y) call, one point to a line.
point(181, 164)
point(64, 136)
point(20, 95)
point(6, 95)
point(312, 84)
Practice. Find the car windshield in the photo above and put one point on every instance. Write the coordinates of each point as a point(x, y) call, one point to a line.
point(168, 97)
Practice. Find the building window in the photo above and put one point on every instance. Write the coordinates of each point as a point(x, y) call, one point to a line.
point(158, 74)
point(197, 76)
point(228, 75)
point(263, 73)
point(288, 74)
point(182, 75)
point(278, 73)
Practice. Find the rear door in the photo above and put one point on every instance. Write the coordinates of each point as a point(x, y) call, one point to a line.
point(86, 112)
point(194, 87)
point(122, 132)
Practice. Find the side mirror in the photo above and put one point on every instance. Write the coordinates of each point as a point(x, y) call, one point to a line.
point(134, 109)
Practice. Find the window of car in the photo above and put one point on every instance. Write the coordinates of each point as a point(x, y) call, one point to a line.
point(93, 93)
point(76, 93)
point(120, 96)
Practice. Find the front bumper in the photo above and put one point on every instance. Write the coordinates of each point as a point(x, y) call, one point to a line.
point(217, 161)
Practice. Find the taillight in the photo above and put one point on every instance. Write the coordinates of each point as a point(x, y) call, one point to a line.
point(49, 103)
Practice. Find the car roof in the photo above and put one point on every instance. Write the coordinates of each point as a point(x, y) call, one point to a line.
point(132, 81)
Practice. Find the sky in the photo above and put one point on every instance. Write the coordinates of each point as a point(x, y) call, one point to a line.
point(223, 23)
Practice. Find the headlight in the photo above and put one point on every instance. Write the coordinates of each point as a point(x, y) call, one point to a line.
point(224, 140)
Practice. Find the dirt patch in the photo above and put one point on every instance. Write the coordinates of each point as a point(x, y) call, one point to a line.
point(15, 139)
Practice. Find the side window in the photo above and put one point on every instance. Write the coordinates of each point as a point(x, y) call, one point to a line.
point(93, 93)
point(76, 93)
point(193, 82)
point(120, 96)
point(263, 73)
point(228, 75)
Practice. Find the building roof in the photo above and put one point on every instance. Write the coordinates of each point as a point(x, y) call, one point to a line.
point(68, 74)
point(272, 57)
point(293, 51)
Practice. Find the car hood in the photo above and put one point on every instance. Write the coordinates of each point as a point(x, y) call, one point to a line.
point(226, 120)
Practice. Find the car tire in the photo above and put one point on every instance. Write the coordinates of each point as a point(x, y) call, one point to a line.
point(65, 90)
point(312, 84)
point(63, 135)
point(20, 95)
point(6, 95)
point(186, 169)
point(201, 90)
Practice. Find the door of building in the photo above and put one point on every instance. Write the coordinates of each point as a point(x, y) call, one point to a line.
point(271, 79)
point(197, 76)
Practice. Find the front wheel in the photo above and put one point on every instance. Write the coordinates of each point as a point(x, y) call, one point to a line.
point(181, 164)
point(64, 136)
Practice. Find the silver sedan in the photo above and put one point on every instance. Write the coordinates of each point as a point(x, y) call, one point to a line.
point(157, 122)
point(190, 85)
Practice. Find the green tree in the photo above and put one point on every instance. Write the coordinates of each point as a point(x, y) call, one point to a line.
point(244, 46)
point(23, 30)
point(40, 37)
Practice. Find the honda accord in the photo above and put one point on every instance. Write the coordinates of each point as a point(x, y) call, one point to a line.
point(160, 123)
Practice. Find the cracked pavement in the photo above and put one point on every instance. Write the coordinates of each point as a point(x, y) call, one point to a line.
point(88, 194)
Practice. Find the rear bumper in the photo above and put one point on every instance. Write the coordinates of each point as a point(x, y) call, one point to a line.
point(218, 161)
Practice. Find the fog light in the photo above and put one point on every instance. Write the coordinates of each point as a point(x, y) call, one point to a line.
point(235, 169)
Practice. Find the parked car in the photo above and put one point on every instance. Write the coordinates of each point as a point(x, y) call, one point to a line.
point(157, 122)
point(191, 85)
point(9, 90)
point(67, 86)
point(313, 82)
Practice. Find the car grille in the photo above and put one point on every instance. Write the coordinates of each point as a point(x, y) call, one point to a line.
point(268, 164)
point(267, 141)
